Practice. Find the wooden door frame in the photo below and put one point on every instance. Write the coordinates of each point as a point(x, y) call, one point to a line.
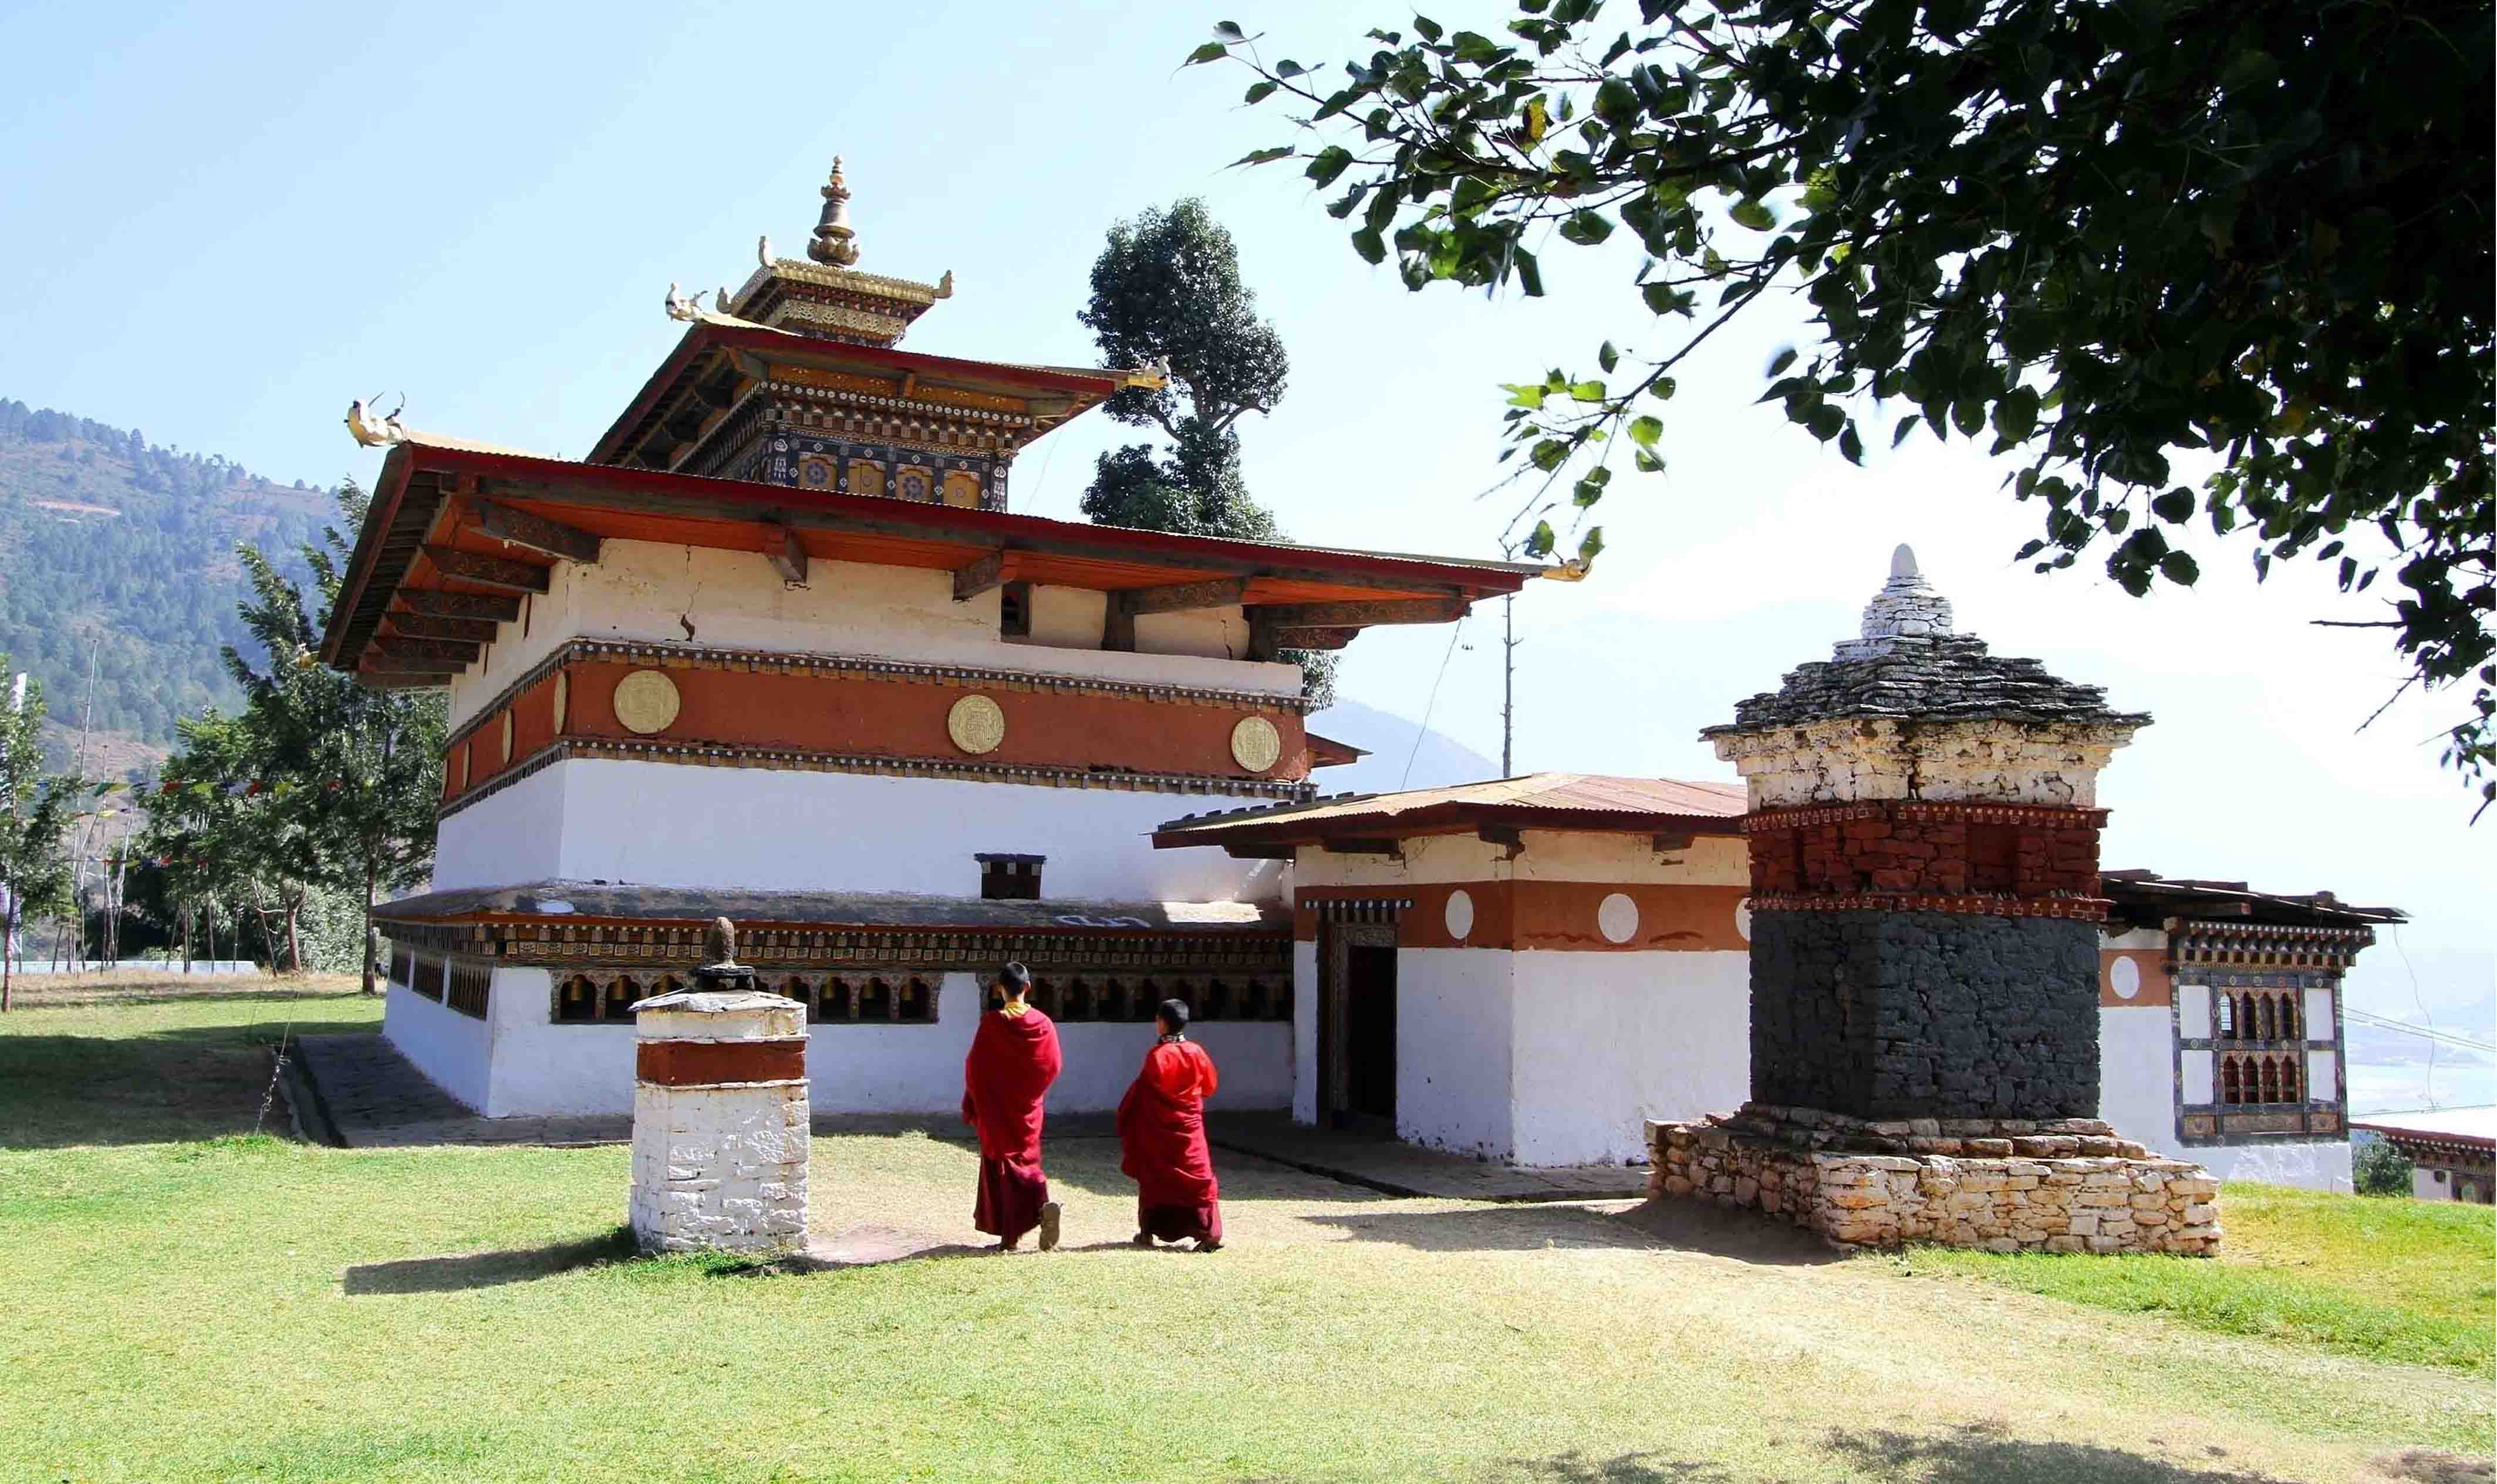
point(1334, 968)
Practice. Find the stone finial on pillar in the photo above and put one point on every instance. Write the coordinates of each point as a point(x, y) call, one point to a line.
point(720, 1122)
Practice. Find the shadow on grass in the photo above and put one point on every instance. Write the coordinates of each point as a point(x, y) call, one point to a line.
point(485, 1270)
point(195, 1081)
point(1982, 1453)
point(1531, 1229)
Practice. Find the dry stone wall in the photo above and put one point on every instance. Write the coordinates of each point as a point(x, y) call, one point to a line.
point(2006, 1185)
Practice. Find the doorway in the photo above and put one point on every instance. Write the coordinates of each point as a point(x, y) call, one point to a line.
point(1357, 1027)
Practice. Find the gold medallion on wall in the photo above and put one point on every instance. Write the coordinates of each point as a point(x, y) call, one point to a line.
point(1255, 744)
point(646, 701)
point(976, 724)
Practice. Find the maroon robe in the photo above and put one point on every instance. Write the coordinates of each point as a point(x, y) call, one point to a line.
point(1162, 1137)
point(1013, 1060)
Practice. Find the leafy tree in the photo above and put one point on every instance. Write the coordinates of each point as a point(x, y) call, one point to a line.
point(35, 873)
point(1166, 289)
point(2377, 1168)
point(2118, 240)
point(318, 782)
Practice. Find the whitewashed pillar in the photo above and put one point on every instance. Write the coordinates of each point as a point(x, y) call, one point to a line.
point(719, 1122)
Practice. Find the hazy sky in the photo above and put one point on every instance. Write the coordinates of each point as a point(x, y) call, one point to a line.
point(223, 223)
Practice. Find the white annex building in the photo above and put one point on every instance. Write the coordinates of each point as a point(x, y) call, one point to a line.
point(778, 649)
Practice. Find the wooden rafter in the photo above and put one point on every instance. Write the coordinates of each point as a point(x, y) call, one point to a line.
point(525, 529)
point(780, 548)
point(1183, 597)
point(429, 626)
point(1361, 614)
point(435, 651)
point(462, 605)
point(978, 574)
point(486, 571)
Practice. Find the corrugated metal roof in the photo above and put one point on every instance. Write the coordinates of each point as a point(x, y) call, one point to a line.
point(1578, 800)
point(2186, 897)
point(2476, 1124)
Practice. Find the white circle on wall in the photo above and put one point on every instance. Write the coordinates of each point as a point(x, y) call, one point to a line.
point(507, 737)
point(1461, 915)
point(562, 698)
point(647, 702)
point(1743, 918)
point(977, 724)
point(2124, 976)
point(1255, 744)
point(1617, 918)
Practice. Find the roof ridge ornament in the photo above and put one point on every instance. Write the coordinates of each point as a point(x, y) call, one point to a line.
point(834, 243)
point(1908, 607)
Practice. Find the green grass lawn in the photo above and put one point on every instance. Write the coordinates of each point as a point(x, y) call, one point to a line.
point(2382, 1276)
point(181, 1299)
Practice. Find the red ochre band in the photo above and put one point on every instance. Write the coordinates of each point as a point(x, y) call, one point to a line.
point(707, 1063)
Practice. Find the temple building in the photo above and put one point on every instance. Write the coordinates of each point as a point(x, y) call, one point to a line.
point(781, 649)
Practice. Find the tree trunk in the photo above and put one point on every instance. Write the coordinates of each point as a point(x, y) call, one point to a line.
point(294, 939)
point(368, 924)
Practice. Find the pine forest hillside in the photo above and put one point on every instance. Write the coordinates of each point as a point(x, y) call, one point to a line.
point(121, 552)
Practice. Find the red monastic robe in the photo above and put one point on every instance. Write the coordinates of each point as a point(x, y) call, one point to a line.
point(1013, 1060)
point(1161, 1135)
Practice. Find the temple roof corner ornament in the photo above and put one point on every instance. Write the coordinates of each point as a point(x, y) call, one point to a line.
point(1908, 607)
point(835, 245)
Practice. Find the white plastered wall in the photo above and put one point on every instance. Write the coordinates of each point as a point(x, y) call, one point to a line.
point(671, 823)
point(1544, 1056)
point(1606, 1040)
point(454, 1050)
point(542, 1067)
point(1454, 1045)
point(644, 591)
point(2138, 1072)
point(1305, 1032)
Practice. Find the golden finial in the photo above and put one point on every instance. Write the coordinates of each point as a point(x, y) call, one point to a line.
point(834, 243)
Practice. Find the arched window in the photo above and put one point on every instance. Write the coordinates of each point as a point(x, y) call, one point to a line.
point(1110, 1000)
point(622, 991)
point(578, 1000)
point(1075, 1001)
point(876, 1001)
point(2272, 1079)
point(1043, 998)
point(1216, 1002)
point(2289, 1016)
point(2248, 1028)
point(2228, 1018)
point(832, 1000)
point(795, 988)
point(2289, 1079)
point(2229, 1089)
point(2264, 1018)
point(918, 1002)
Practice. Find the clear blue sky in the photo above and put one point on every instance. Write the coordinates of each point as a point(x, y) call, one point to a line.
point(224, 222)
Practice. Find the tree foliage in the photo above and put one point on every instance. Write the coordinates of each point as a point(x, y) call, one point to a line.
point(1166, 291)
point(317, 781)
point(35, 811)
point(2122, 242)
point(2377, 1168)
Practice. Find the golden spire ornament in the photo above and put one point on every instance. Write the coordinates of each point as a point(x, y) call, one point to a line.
point(834, 243)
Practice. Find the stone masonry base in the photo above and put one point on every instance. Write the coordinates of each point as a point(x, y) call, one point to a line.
point(721, 1167)
point(2063, 1185)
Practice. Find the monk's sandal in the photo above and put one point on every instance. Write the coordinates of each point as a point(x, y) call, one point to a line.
point(1051, 1213)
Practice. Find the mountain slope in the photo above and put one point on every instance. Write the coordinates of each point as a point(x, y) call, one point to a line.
point(119, 552)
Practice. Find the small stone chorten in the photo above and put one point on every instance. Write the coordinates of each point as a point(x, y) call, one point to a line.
point(1924, 915)
point(720, 1114)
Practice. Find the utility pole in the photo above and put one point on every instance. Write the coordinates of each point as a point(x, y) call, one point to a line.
point(1509, 685)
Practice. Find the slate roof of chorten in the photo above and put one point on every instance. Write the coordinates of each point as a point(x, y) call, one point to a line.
point(1907, 663)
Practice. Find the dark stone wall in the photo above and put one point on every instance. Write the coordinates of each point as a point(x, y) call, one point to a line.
point(1945, 1015)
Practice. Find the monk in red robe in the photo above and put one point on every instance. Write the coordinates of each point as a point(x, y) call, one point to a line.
point(1014, 1058)
point(1161, 1135)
